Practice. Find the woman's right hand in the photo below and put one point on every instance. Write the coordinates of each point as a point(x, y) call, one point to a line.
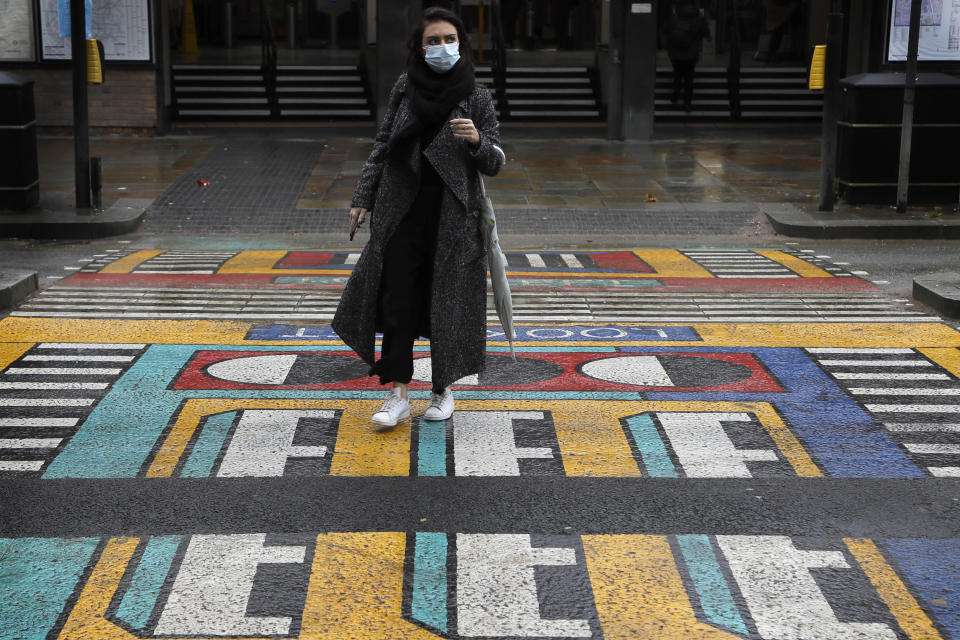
point(357, 213)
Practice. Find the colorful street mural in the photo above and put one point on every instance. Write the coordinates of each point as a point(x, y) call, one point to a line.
point(659, 363)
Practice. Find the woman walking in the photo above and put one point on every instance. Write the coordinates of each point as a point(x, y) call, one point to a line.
point(423, 273)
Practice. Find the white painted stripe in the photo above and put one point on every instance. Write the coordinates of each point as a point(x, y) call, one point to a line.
point(912, 427)
point(352, 258)
point(876, 363)
point(536, 260)
point(88, 345)
point(931, 448)
point(46, 402)
point(78, 358)
point(944, 472)
point(39, 422)
point(30, 443)
point(53, 385)
point(900, 391)
point(857, 350)
point(890, 376)
point(571, 261)
point(913, 408)
point(62, 371)
point(21, 465)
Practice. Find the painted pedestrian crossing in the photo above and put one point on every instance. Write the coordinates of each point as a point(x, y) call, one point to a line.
point(681, 382)
point(46, 394)
point(558, 306)
point(910, 394)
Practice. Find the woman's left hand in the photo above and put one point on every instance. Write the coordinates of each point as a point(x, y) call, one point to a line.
point(464, 129)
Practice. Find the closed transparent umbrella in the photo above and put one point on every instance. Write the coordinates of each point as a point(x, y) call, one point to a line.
point(497, 263)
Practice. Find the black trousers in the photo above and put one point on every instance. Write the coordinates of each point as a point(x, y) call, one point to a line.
point(405, 287)
point(683, 75)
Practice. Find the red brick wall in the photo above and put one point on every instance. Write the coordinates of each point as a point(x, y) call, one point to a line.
point(126, 99)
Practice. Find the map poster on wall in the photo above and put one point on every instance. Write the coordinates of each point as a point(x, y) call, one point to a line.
point(16, 31)
point(939, 31)
point(123, 26)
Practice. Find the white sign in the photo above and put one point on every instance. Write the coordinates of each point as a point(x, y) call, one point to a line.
point(641, 7)
point(16, 30)
point(939, 31)
point(123, 26)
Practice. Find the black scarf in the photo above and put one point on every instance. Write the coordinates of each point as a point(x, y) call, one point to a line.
point(432, 97)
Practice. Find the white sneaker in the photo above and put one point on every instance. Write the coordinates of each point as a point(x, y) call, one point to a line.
point(394, 409)
point(441, 405)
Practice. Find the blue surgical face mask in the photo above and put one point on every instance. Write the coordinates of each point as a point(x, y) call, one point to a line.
point(442, 57)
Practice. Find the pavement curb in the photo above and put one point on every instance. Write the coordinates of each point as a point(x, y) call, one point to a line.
point(15, 285)
point(941, 291)
point(789, 220)
point(123, 216)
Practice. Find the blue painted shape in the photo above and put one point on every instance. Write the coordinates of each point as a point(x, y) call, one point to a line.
point(652, 449)
point(207, 447)
point(933, 569)
point(432, 448)
point(843, 439)
point(716, 600)
point(141, 597)
point(291, 332)
point(429, 602)
point(38, 576)
point(577, 333)
point(583, 283)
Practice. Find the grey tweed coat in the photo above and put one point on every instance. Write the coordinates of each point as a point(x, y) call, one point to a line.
point(387, 188)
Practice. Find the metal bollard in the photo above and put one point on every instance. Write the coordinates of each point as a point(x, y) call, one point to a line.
point(96, 182)
point(291, 25)
point(228, 23)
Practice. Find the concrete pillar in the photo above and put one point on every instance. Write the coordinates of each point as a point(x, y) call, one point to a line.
point(395, 20)
point(633, 68)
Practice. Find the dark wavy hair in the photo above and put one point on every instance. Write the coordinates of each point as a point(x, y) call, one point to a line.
point(439, 14)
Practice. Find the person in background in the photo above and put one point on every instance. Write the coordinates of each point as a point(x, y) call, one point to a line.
point(423, 271)
point(683, 35)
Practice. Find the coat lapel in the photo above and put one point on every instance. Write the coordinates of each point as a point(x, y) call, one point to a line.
point(443, 151)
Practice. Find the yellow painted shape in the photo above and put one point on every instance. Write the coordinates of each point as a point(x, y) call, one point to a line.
point(639, 592)
point(949, 359)
point(128, 263)
point(670, 263)
point(592, 441)
point(126, 331)
point(361, 450)
point(788, 334)
point(356, 589)
point(253, 262)
point(904, 607)
point(264, 263)
point(10, 351)
point(88, 618)
point(795, 264)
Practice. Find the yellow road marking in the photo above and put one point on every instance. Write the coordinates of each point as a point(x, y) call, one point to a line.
point(360, 449)
point(10, 351)
point(264, 263)
point(356, 589)
point(670, 263)
point(639, 592)
point(229, 332)
point(947, 358)
point(892, 591)
point(128, 263)
point(795, 264)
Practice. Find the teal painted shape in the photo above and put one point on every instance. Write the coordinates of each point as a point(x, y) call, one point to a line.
point(651, 446)
point(37, 578)
point(120, 432)
point(207, 447)
point(429, 602)
point(432, 448)
point(716, 600)
point(141, 597)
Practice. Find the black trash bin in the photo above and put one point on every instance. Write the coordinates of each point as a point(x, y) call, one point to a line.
point(868, 145)
point(19, 176)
